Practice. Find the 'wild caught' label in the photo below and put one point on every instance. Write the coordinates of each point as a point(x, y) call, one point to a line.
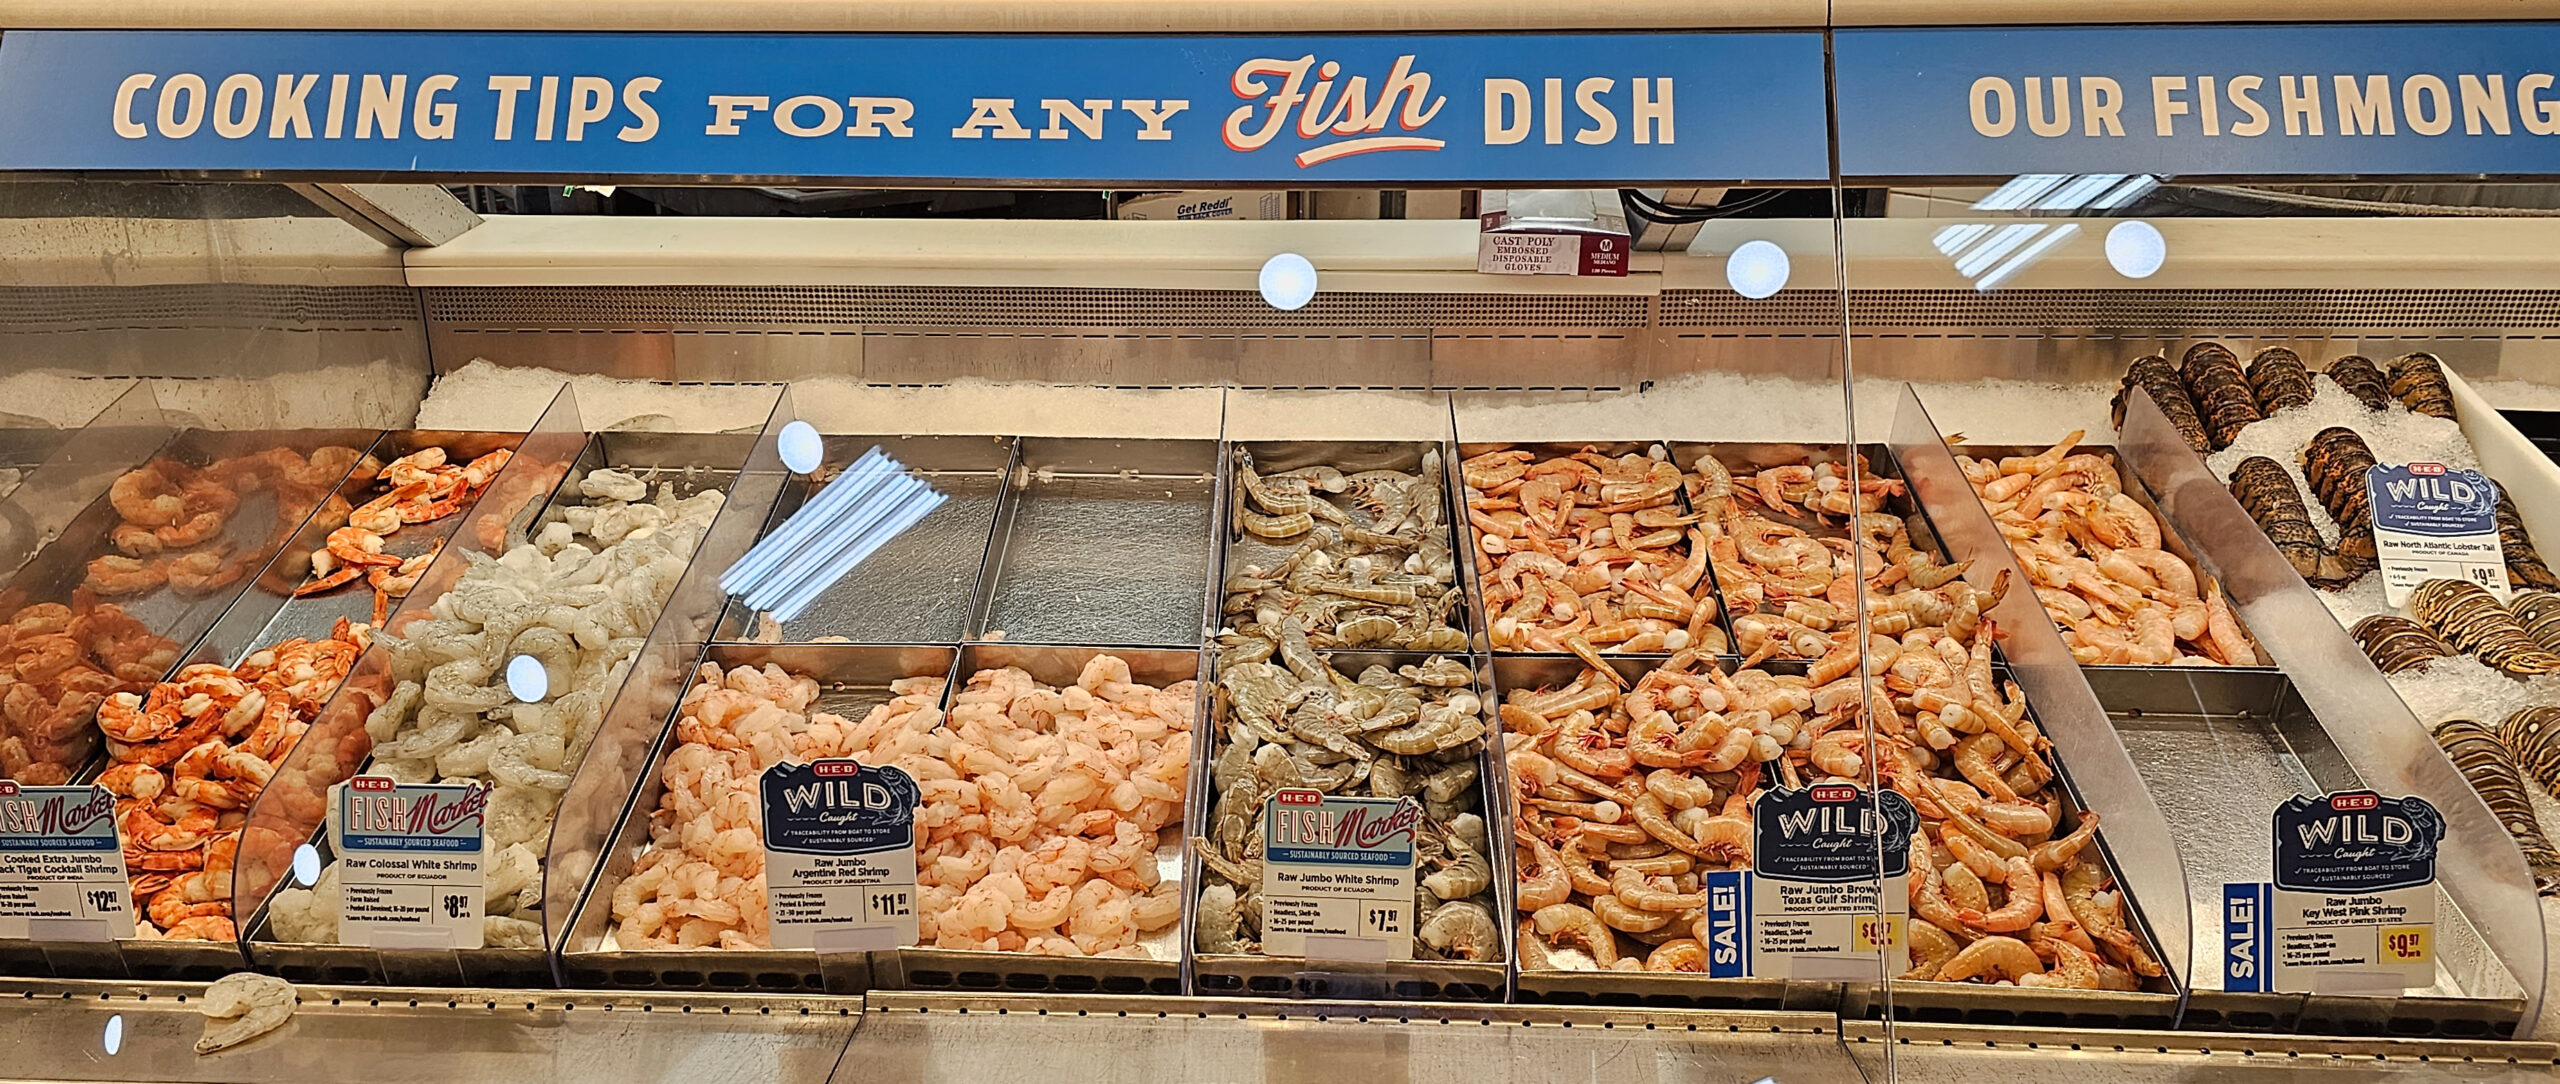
point(1820, 907)
point(409, 862)
point(2352, 908)
point(840, 856)
point(61, 867)
point(1337, 876)
point(2432, 522)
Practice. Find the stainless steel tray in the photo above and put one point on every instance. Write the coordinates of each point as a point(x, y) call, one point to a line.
point(1475, 563)
point(2224, 747)
point(916, 589)
point(1100, 541)
point(856, 677)
point(1948, 1002)
point(1398, 980)
point(2172, 537)
point(1238, 549)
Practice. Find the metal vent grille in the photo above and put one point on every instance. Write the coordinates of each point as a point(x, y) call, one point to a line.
point(206, 305)
point(768, 306)
point(2220, 310)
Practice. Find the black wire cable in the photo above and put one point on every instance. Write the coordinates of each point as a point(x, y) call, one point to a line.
point(1658, 211)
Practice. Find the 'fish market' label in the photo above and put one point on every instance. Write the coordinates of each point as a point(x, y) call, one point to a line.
point(2431, 522)
point(409, 859)
point(1815, 910)
point(2352, 908)
point(61, 866)
point(1337, 876)
point(840, 856)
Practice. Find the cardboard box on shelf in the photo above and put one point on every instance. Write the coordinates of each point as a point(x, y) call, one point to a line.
point(1243, 206)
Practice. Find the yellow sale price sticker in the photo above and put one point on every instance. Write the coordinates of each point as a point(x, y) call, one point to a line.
point(1876, 933)
point(2408, 944)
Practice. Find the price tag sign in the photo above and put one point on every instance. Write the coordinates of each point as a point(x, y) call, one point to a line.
point(1337, 876)
point(61, 866)
point(2352, 908)
point(2431, 522)
point(409, 862)
point(840, 856)
point(1814, 906)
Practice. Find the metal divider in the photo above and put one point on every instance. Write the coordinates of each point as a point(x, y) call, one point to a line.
point(605, 780)
point(2352, 730)
point(74, 472)
point(2091, 760)
point(289, 812)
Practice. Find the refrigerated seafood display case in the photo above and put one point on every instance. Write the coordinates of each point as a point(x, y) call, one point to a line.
point(1942, 563)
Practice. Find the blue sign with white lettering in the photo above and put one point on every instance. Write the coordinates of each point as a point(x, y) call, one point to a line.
point(2432, 499)
point(2246, 936)
point(838, 807)
point(1512, 108)
point(1728, 923)
point(2200, 101)
point(2356, 841)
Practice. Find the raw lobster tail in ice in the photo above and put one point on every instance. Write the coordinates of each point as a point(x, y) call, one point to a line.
point(2153, 373)
point(2533, 735)
point(2418, 380)
point(2397, 643)
point(2485, 761)
point(2335, 464)
point(2469, 617)
point(2357, 376)
point(2268, 493)
point(2212, 374)
point(2524, 565)
point(2278, 379)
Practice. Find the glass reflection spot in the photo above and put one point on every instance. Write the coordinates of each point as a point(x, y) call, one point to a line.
point(1757, 269)
point(113, 1040)
point(801, 447)
point(306, 865)
point(1288, 281)
point(2135, 249)
point(526, 679)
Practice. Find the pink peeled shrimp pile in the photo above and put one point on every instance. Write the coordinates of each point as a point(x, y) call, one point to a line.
point(701, 883)
point(1042, 805)
point(1038, 830)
